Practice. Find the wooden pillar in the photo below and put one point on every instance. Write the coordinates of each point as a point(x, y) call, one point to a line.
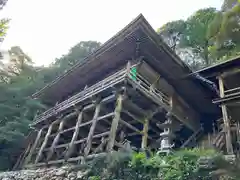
point(75, 135)
point(128, 68)
point(145, 133)
point(56, 139)
point(115, 122)
point(92, 129)
point(44, 143)
point(33, 147)
point(227, 131)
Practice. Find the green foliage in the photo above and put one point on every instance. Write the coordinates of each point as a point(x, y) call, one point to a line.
point(3, 28)
point(192, 34)
point(3, 22)
point(2, 3)
point(206, 37)
point(180, 165)
point(75, 55)
point(19, 79)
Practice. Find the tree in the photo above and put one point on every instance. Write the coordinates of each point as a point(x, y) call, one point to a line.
point(3, 28)
point(19, 80)
point(172, 32)
point(228, 5)
point(225, 31)
point(207, 36)
point(3, 22)
point(196, 35)
point(17, 109)
point(190, 39)
point(76, 54)
point(2, 3)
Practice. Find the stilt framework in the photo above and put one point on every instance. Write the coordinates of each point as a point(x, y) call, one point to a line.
point(122, 107)
point(226, 130)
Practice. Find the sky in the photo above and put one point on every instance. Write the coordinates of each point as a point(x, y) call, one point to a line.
point(47, 29)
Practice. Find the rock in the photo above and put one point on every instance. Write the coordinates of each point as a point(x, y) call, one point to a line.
point(72, 176)
point(82, 174)
point(61, 172)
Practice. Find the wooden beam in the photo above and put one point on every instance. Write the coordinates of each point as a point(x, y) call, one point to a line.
point(100, 147)
point(67, 105)
point(184, 113)
point(95, 136)
point(130, 126)
point(92, 129)
point(90, 106)
point(158, 100)
point(56, 139)
point(73, 159)
point(75, 135)
point(143, 113)
point(81, 125)
point(231, 72)
point(128, 68)
point(44, 143)
point(145, 134)
point(65, 118)
point(193, 136)
point(227, 131)
point(33, 147)
point(115, 121)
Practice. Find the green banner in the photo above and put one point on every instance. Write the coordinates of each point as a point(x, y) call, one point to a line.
point(133, 73)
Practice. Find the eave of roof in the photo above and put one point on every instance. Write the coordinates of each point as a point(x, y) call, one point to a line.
point(110, 42)
point(216, 69)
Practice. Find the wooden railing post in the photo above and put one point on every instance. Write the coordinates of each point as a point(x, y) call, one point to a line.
point(128, 69)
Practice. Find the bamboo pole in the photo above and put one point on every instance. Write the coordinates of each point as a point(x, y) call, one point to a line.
point(33, 147)
point(56, 139)
point(115, 122)
point(44, 144)
point(227, 131)
point(75, 135)
point(92, 129)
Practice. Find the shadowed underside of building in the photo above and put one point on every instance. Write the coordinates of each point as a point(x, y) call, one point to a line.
point(131, 93)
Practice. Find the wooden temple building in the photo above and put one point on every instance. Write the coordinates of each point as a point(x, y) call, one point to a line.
point(133, 92)
point(226, 132)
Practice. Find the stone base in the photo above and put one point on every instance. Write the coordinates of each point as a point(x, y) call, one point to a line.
point(230, 158)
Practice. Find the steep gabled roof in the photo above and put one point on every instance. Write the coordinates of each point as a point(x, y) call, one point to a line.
point(137, 39)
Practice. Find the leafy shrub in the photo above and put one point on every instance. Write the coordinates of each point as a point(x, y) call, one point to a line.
point(179, 165)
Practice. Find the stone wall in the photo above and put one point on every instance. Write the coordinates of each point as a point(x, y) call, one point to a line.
point(63, 173)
